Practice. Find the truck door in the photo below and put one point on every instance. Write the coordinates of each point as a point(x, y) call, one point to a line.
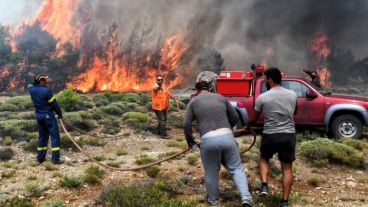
point(310, 111)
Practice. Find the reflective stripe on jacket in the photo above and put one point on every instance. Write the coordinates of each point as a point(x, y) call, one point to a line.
point(43, 101)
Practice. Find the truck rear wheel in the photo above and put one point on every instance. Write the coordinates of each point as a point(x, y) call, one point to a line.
point(347, 126)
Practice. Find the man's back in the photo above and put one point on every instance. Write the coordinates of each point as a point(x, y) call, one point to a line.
point(41, 97)
point(212, 111)
point(278, 105)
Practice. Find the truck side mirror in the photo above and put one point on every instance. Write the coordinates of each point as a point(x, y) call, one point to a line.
point(311, 94)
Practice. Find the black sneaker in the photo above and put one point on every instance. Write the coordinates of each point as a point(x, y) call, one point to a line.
point(57, 162)
point(284, 204)
point(264, 191)
point(247, 204)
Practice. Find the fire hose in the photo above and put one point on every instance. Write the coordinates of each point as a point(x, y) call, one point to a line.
point(150, 164)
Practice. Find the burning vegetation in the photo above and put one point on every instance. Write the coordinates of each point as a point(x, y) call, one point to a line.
point(121, 46)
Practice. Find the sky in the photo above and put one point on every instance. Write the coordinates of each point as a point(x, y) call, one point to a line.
point(14, 11)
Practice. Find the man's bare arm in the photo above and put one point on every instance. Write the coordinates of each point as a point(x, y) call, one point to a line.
point(253, 119)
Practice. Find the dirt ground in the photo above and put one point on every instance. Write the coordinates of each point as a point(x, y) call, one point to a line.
point(340, 186)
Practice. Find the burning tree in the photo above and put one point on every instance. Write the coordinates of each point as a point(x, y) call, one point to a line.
point(132, 64)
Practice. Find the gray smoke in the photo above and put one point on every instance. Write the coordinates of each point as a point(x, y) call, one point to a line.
point(242, 31)
point(245, 31)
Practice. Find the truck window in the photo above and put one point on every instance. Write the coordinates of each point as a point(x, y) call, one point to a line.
point(299, 88)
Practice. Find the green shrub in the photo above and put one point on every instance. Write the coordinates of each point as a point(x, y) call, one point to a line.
point(98, 114)
point(86, 103)
point(33, 189)
point(173, 143)
point(70, 182)
point(56, 202)
point(112, 109)
point(176, 120)
point(31, 145)
point(153, 171)
point(271, 200)
point(10, 165)
point(90, 179)
point(113, 164)
point(110, 122)
point(143, 160)
point(27, 115)
point(121, 151)
point(17, 129)
point(145, 148)
point(192, 159)
point(326, 149)
point(6, 154)
point(32, 177)
point(8, 173)
point(138, 116)
point(93, 174)
point(95, 170)
point(166, 154)
point(18, 103)
point(6, 115)
point(23, 103)
point(8, 107)
point(22, 202)
point(101, 100)
point(110, 130)
point(356, 144)
point(314, 181)
point(137, 120)
point(49, 166)
point(99, 158)
point(158, 193)
point(93, 141)
point(68, 99)
point(80, 119)
point(8, 141)
point(65, 143)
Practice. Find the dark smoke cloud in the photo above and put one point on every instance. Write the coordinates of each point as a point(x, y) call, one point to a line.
point(291, 25)
point(243, 31)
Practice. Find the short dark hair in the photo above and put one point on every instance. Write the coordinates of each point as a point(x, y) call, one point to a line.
point(274, 74)
point(202, 85)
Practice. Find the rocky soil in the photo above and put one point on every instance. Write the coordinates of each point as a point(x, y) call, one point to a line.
point(338, 186)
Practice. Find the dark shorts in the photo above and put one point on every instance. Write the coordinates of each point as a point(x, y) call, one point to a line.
point(281, 143)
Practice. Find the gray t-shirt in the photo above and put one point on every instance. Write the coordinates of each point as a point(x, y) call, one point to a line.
point(212, 111)
point(278, 106)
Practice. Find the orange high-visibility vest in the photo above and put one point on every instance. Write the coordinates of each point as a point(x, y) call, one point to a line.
point(160, 99)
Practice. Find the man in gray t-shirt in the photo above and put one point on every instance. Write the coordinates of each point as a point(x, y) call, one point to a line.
point(278, 106)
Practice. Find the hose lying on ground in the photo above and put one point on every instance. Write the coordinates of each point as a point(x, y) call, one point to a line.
point(143, 166)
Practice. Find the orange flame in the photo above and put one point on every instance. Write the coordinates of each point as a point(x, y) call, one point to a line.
point(55, 16)
point(319, 45)
point(324, 75)
point(320, 51)
point(111, 75)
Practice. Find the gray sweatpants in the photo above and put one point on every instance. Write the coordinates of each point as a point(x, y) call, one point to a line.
point(222, 149)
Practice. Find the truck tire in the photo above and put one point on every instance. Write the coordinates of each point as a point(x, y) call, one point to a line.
point(347, 126)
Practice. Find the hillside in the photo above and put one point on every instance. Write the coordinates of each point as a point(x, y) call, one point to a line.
point(327, 172)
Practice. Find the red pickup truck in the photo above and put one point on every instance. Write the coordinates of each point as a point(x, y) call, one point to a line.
point(339, 115)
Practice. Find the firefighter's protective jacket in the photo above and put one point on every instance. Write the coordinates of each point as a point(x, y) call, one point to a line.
point(43, 101)
point(160, 99)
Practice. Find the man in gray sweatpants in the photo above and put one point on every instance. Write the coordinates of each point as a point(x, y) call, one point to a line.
point(215, 118)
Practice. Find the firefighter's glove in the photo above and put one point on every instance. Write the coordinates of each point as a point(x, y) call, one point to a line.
point(195, 148)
